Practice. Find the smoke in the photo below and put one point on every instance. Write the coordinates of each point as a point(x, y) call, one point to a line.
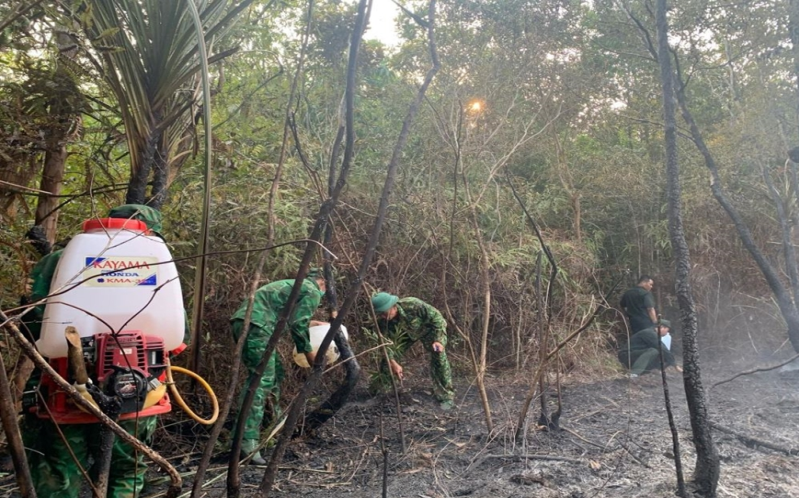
point(790, 367)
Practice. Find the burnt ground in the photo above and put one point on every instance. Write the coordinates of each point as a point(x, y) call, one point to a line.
point(615, 442)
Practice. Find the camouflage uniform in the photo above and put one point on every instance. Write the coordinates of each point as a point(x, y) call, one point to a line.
point(54, 471)
point(418, 321)
point(269, 301)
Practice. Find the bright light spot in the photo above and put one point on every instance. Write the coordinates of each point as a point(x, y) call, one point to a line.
point(475, 106)
point(381, 24)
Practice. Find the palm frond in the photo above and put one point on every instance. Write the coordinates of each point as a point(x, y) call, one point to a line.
point(149, 48)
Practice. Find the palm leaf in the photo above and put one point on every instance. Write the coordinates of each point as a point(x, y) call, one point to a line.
point(149, 48)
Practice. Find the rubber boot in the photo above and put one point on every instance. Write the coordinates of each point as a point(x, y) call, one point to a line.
point(249, 446)
point(257, 459)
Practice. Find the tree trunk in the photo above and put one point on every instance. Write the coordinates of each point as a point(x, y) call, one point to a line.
point(485, 287)
point(55, 161)
point(160, 170)
point(352, 369)
point(137, 186)
point(706, 473)
point(782, 295)
point(66, 117)
point(578, 228)
point(8, 416)
point(786, 228)
point(139, 177)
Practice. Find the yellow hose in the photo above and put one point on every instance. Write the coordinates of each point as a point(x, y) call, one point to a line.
point(179, 398)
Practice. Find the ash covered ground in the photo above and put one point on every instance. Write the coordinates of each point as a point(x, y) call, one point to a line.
point(614, 441)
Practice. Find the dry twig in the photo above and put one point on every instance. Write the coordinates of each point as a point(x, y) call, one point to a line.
point(753, 441)
point(755, 370)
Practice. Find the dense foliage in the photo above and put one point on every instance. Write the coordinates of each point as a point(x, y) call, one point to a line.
point(561, 96)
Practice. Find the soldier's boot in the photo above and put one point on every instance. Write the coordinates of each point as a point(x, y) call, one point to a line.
point(250, 446)
point(257, 459)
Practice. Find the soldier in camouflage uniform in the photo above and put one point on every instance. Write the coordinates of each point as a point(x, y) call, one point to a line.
point(54, 471)
point(408, 320)
point(269, 301)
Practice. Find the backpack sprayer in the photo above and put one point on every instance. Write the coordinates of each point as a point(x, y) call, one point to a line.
point(114, 317)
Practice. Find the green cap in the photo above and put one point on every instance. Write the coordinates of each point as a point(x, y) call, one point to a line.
point(150, 216)
point(383, 301)
point(665, 323)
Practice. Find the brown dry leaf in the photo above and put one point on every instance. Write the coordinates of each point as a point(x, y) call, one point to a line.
point(329, 466)
point(457, 444)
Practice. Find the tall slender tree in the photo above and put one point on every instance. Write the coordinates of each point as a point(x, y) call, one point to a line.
point(706, 473)
point(64, 125)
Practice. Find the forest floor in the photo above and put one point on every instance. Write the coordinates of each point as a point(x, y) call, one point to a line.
point(614, 441)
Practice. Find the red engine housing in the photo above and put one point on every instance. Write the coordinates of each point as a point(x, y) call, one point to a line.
point(118, 364)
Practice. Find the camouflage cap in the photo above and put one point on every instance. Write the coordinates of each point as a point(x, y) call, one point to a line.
point(151, 216)
point(383, 301)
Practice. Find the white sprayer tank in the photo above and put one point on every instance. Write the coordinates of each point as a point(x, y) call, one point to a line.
point(317, 333)
point(110, 270)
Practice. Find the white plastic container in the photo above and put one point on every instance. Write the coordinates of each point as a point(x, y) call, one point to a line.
point(318, 333)
point(110, 271)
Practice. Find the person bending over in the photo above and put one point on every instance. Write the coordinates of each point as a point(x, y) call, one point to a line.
point(408, 320)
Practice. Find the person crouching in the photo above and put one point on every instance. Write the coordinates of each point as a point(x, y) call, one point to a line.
point(641, 354)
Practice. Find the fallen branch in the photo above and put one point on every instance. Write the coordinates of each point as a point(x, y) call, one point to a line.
point(753, 441)
point(76, 397)
point(755, 370)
